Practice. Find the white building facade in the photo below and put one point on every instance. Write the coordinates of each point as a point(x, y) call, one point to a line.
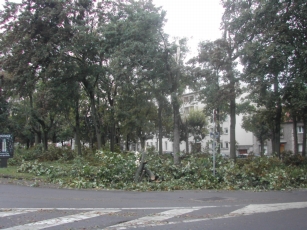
point(190, 102)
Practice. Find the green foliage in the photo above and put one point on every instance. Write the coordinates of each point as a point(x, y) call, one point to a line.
point(291, 159)
point(34, 168)
point(36, 153)
point(197, 125)
point(116, 169)
point(108, 170)
point(53, 153)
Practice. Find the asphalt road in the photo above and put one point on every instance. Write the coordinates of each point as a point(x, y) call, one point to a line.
point(23, 207)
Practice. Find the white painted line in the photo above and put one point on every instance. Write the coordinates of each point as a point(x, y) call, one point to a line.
point(170, 223)
point(59, 221)
point(152, 220)
point(248, 210)
point(258, 208)
point(11, 212)
point(106, 209)
point(264, 208)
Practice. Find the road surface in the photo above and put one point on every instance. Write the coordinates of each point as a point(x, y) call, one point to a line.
point(33, 208)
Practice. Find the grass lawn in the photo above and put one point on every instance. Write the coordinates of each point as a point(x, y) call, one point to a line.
point(11, 172)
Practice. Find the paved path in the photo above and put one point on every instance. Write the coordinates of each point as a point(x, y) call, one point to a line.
point(43, 208)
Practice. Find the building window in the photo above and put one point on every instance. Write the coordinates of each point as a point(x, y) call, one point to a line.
point(147, 143)
point(165, 145)
point(221, 145)
point(225, 130)
point(281, 133)
point(300, 129)
point(226, 145)
point(186, 110)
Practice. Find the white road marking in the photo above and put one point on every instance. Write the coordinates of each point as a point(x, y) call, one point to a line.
point(61, 220)
point(105, 209)
point(11, 212)
point(152, 220)
point(264, 208)
point(168, 223)
point(250, 209)
point(157, 219)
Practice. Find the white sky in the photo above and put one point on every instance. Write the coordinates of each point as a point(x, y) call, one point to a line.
point(197, 20)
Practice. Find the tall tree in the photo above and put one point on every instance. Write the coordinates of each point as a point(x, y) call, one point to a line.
point(173, 61)
point(214, 67)
point(265, 32)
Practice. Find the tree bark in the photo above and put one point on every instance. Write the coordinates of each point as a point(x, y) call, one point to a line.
point(304, 137)
point(218, 130)
point(277, 117)
point(160, 128)
point(261, 147)
point(233, 129)
point(176, 132)
point(295, 134)
point(96, 122)
point(45, 139)
point(77, 130)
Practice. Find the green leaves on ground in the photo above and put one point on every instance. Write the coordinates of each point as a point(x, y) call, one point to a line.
point(108, 170)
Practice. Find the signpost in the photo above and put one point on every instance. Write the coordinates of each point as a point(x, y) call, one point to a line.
point(6, 149)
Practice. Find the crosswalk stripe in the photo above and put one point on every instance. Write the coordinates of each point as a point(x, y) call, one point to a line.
point(151, 220)
point(263, 208)
point(61, 220)
point(12, 212)
point(105, 209)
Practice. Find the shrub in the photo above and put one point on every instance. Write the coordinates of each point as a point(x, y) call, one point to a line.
point(115, 168)
point(111, 170)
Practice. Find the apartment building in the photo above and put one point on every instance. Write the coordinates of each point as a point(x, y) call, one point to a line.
point(286, 139)
point(191, 102)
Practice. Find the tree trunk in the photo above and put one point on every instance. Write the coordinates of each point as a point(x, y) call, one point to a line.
point(277, 118)
point(218, 130)
point(38, 138)
point(295, 134)
point(78, 143)
point(112, 136)
point(262, 148)
point(45, 140)
point(304, 137)
point(127, 142)
point(77, 130)
point(143, 143)
point(233, 128)
point(176, 132)
point(160, 128)
point(186, 138)
point(96, 121)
